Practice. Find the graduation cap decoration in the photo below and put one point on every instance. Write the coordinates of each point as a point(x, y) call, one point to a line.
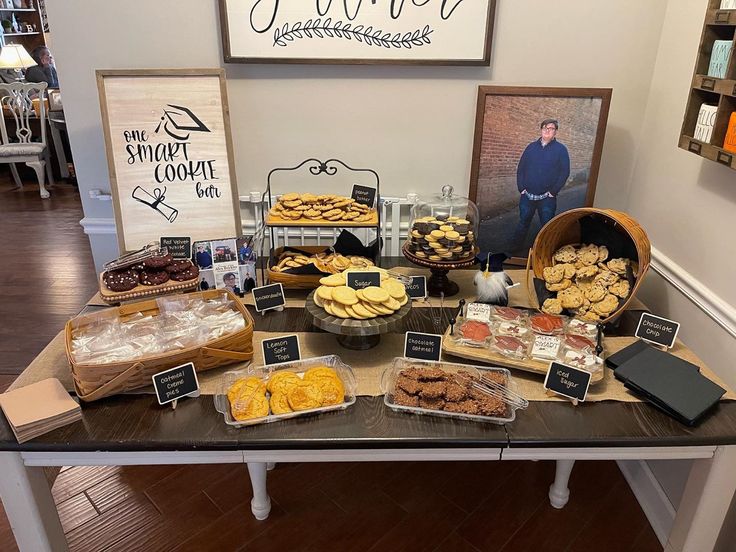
point(182, 120)
point(491, 281)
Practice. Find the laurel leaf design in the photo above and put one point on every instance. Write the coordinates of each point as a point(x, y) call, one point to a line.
point(316, 28)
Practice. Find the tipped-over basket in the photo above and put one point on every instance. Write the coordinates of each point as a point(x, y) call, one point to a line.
point(95, 381)
point(618, 231)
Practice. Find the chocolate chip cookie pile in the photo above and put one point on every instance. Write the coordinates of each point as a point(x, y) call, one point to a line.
point(436, 389)
point(310, 207)
point(342, 301)
point(151, 272)
point(285, 392)
point(442, 238)
point(329, 263)
point(588, 285)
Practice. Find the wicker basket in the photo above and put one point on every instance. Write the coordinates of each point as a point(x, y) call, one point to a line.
point(295, 281)
point(95, 381)
point(565, 229)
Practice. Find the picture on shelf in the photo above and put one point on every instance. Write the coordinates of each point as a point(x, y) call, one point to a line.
point(536, 154)
point(226, 264)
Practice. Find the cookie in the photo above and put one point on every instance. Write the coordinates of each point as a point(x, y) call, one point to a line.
point(595, 293)
point(159, 261)
point(281, 382)
point(344, 295)
point(153, 277)
point(602, 253)
point(606, 306)
point(570, 298)
point(279, 403)
point(606, 278)
point(565, 254)
point(620, 289)
point(564, 284)
point(120, 280)
point(304, 396)
point(588, 255)
point(568, 268)
point(552, 306)
point(553, 274)
point(246, 409)
point(375, 294)
point(178, 266)
point(586, 271)
point(189, 274)
point(618, 266)
point(289, 197)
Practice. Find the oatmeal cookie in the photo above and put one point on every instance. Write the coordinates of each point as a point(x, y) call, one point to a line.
point(571, 298)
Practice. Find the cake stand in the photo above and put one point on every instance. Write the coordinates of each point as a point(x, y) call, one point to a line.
point(438, 283)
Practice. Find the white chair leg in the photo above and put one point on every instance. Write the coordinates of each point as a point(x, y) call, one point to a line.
point(16, 177)
point(49, 168)
point(559, 494)
point(40, 166)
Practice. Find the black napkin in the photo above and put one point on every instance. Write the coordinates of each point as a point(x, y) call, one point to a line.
point(346, 244)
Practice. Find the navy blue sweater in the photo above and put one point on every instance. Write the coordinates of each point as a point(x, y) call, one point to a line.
point(543, 169)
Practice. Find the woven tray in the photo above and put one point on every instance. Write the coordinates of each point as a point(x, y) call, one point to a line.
point(145, 292)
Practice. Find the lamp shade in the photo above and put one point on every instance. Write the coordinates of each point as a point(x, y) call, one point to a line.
point(15, 56)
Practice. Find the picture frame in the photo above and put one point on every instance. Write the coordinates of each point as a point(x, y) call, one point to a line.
point(510, 150)
point(170, 154)
point(455, 32)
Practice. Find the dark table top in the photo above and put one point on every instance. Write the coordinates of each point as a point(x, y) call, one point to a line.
point(138, 423)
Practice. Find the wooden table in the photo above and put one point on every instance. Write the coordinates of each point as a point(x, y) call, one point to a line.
point(133, 429)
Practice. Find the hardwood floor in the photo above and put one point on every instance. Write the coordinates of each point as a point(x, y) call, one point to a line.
point(441, 507)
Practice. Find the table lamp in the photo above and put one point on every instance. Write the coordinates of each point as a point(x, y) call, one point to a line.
point(15, 56)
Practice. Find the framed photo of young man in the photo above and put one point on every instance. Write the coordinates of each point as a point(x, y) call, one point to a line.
point(536, 153)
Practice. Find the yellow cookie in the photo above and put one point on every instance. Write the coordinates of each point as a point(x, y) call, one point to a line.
point(280, 403)
point(304, 396)
point(247, 408)
point(344, 295)
point(325, 292)
point(394, 287)
point(333, 280)
point(367, 305)
point(244, 384)
point(404, 300)
point(321, 371)
point(352, 314)
point(332, 390)
point(339, 310)
point(362, 311)
point(382, 309)
point(392, 304)
point(375, 294)
point(282, 381)
point(318, 301)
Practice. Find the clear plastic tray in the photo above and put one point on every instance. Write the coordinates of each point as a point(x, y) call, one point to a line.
point(508, 395)
point(345, 372)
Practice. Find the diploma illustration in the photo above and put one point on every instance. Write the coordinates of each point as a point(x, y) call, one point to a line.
point(156, 201)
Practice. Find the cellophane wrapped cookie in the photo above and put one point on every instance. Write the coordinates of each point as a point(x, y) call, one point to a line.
point(475, 333)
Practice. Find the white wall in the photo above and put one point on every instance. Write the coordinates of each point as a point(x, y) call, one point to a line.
point(414, 125)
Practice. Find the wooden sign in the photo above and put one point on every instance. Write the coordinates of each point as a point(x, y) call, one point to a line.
point(431, 32)
point(567, 381)
point(268, 297)
point(657, 330)
point(357, 279)
point(179, 248)
point(169, 154)
point(364, 195)
point(417, 288)
point(422, 346)
point(175, 383)
point(281, 349)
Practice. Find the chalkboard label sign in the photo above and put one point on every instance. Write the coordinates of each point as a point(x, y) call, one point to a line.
point(175, 383)
point(281, 349)
point(269, 297)
point(178, 247)
point(364, 195)
point(422, 346)
point(657, 330)
point(417, 288)
point(567, 381)
point(358, 280)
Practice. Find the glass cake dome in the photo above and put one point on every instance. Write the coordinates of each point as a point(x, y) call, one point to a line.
point(443, 228)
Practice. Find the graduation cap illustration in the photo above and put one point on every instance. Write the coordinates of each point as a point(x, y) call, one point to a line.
point(179, 121)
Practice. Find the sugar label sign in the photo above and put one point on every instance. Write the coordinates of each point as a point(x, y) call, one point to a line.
point(422, 346)
point(417, 288)
point(178, 247)
point(364, 195)
point(567, 381)
point(657, 330)
point(268, 297)
point(175, 383)
point(281, 349)
point(358, 280)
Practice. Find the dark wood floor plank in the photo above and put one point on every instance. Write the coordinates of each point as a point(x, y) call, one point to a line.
point(75, 511)
point(181, 484)
point(455, 543)
point(125, 481)
point(77, 479)
point(647, 541)
point(232, 490)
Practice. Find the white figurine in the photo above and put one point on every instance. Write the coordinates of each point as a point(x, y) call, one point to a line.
point(492, 282)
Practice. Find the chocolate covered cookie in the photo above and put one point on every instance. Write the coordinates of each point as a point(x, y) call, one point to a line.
point(153, 277)
point(178, 266)
point(184, 275)
point(159, 261)
point(120, 280)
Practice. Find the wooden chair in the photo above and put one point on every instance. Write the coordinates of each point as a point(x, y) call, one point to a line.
point(18, 104)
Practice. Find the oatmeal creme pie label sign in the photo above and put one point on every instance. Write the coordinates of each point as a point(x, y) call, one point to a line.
point(175, 383)
point(281, 349)
point(567, 381)
point(364, 195)
point(179, 248)
point(360, 280)
point(268, 297)
point(657, 330)
point(422, 346)
point(417, 288)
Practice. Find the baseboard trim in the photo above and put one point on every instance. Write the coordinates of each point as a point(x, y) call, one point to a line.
point(696, 291)
point(93, 226)
point(652, 498)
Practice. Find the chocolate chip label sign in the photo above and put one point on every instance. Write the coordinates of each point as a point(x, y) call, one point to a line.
point(282, 349)
point(417, 288)
point(364, 195)
point(268, 297)
point(567, 381)
point(358, 280)
point(179, 248)
point(657, 330)
point(175, 383)
point(422, 346)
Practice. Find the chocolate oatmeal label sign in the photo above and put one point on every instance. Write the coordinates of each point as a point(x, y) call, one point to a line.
point(169, 154)
point(657, 330)
point(567, 381)
point(422, 346)
point(282, 349)
point(175, 383)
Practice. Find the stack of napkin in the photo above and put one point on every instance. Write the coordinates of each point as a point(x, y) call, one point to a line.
point(39, 408)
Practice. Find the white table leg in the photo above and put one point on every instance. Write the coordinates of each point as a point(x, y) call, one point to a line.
point(29, 505)
point(704, 505)
point(261, 503)
point(559, 494)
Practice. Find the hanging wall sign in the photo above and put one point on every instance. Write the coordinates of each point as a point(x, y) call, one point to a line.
point(169, 153)
point(430, 32)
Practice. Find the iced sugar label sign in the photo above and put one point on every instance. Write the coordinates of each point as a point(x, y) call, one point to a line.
point(176, 383)
point(567, 381)
point(657, 330)
point(281, 349)
point(422, 346)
